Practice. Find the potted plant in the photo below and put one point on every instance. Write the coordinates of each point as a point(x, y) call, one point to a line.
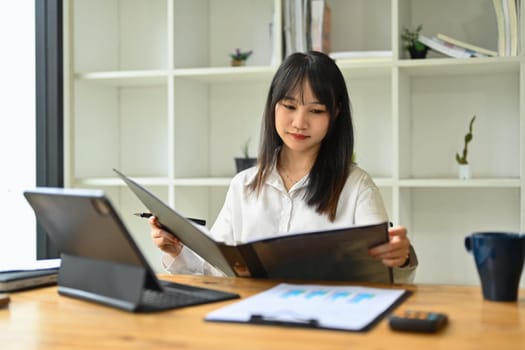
point(246, 161)
point(464, 167)
point(411, 43)
point(239, 57)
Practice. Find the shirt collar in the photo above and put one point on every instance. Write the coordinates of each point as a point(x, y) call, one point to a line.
point(274, 179)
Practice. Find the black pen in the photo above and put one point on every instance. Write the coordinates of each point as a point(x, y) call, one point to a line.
point(148, 215)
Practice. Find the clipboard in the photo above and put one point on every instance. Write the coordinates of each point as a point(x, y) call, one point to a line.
point(344, 308)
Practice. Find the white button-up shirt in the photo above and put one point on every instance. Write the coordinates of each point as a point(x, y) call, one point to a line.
point(246, 216)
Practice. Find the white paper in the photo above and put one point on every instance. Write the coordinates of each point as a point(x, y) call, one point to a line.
point(336, 307)
point(32, 265)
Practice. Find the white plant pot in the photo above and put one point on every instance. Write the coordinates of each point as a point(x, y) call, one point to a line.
point(464, 171)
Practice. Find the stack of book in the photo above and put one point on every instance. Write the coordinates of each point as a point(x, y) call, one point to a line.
point(455, 48)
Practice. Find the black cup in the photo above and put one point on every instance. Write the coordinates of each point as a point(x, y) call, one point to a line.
point(499, 258)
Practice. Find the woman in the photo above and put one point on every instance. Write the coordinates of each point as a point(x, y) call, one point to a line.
point(305, 179)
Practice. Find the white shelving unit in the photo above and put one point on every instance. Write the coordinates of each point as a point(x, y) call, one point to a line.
point(149, 91)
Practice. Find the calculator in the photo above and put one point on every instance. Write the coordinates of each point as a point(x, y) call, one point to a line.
point(418, 321)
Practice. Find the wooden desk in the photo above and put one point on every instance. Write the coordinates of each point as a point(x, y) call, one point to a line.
point(42, 319)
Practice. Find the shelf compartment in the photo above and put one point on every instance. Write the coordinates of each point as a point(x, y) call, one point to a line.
point(439, 219)
point(218, 33)
point(472, 21)
point(372, 123)
point(216, 119)
point(124, 128)
point(434, 115)
point(360, 25)
point(111, 35)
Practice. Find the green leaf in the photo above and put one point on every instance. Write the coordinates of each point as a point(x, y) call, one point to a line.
point(460, 160)
point(419, 46)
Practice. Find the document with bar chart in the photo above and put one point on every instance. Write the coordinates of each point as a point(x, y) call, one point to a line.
point(350, 308)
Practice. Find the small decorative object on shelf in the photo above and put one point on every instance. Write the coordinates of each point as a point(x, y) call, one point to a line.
point(464, 167)
point(411, 43)
point(246, 161)
point(239, 57)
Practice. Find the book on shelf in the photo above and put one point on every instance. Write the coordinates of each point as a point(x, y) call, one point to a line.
point(513, 27)
point(506, 23)
point(500, 21)
point(447, 48)
point(507, 19)
point(320, 26)
point(465, 45)
point(296, 29)
point(301, 9)
point(519, 25)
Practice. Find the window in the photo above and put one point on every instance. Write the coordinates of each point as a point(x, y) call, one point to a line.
point(49, 105)
point(24, 163)
point(17, 134)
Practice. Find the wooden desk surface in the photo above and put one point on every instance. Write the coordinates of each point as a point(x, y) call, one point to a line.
point(42, 319)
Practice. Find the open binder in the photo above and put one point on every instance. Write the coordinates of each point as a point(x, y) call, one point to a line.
point(336, 254)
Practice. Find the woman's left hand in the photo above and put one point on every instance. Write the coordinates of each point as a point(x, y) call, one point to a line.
point(396, 252)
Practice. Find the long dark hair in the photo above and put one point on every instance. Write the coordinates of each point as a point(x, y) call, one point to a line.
point(332, 166)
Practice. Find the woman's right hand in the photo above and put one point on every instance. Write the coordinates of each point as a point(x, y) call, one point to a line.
point(166, 242)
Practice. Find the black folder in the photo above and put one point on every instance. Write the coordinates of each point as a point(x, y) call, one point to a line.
point(329, 255)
